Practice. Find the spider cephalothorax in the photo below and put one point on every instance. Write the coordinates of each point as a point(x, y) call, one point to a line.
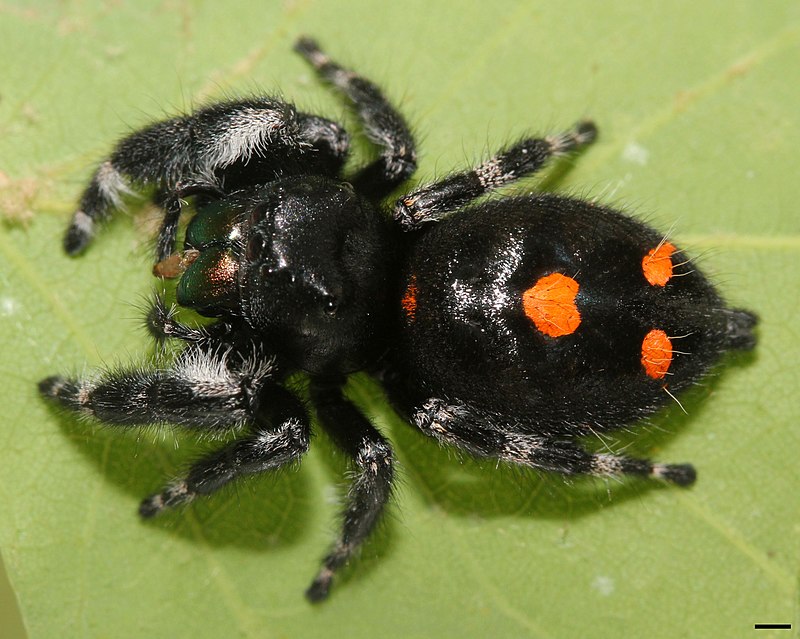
point(510, 329)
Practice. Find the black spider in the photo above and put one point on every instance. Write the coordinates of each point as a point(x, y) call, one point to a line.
point(510, 328)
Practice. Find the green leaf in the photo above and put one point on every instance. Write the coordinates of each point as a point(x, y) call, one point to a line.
point(697, 105)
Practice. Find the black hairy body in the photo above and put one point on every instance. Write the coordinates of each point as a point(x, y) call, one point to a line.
point(510, 329)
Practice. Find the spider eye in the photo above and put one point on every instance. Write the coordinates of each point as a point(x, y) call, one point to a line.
point(330, 304)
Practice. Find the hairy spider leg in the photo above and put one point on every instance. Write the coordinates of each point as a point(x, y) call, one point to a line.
point(435, 201)
point(485, 434)
point(382, 123)
point(371, 486)
point(213, 145)
point(199, 392)
point(279, 435)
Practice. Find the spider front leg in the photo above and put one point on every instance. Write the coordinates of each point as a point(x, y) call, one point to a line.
point(487, 435)
point(434, 202)
point(384, 125)
point(225, 145)
point(371, 485)
point(199, 391)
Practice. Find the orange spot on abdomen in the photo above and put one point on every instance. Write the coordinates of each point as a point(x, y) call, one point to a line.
point(550, 305)
point(657, 264)
point(656, 353)
point(409, 301)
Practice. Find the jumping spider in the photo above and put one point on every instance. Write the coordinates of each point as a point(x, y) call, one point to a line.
point(510, 328)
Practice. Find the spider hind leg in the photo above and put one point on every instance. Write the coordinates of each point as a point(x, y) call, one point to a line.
point(486, 435)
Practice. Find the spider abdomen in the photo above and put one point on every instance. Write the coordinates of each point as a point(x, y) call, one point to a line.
point(557, 311)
